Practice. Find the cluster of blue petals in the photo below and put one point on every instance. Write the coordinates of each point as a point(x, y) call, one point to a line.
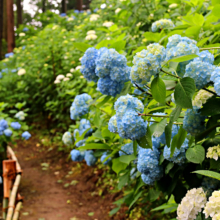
point(194, 122)
point(209, 185)
point(106, 66)
point(104, 155)
point(16, 125)
point(26, 135)
point(148, 165)
point(127, 122)
point(147, 63)
point(80, 106)
point(215, 78)
point(90, 158)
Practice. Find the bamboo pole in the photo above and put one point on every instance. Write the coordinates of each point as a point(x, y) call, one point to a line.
point(13, 197)
point(17, 211)
point(5, 206)
point(13, 157)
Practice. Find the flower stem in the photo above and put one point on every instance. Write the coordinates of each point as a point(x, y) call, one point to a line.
point(175, 123)
point(209, 48)
point(160, 116)
point(169, 73)
point(142, 90)
point(211, 92)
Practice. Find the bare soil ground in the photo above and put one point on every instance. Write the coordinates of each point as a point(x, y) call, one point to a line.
point(55, 188)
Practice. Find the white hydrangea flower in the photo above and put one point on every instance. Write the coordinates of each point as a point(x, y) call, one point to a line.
point(138, 24)
point(21, 34)
point(107, 24)
point(202, 97)
point(117, 10)
point(72, 70)
point(174, 5)
point(91, 37)
point(21, 72)
point(69, 75)
point(212, 207)
point(191, 204)
point(78, 67)
point(213, 152)
point(90, 32)
point(60, 77)
point(216, 217)
point(66, 79)
point(70, 19)
point(103, 6)
point(94, 17)
point(57, 81)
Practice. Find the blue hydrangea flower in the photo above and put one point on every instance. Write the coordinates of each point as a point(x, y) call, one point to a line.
point(62, 14)
point(77, 155)
point(162, 24)
point(205, 56)
point(0, 75)
point(162, 138)
point(129, 123)
point(127, 149)
point(8, 132)
point(147, 63)
point(200, 72)
point(26, 135)
point(67, 138)
point(215, 78)
point(80, 106)
point(179, 155)
point(112, 124)
point(80, 143)
point(25, 29)
point(89, 64)
point(20, 115)
point(104, 155)
point(193, 121)
point(83, 126)
point(7, 55)
point(3, 124)
point(148, 165)
point(90, 158)
point(16, 125)
point(109, 87)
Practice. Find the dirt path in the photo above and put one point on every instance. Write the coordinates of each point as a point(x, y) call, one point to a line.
point(57, 189)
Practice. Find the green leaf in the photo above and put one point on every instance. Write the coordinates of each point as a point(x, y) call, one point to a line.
point(184, 92)
point(106, 99)
point(81, 46)
point(123, 180)
point(183, 58)
point(94, 146)
point(158, 90)
point(135, 147)
point(215, 10)
point(146, 141)
point(208, 173)
point(157, 129)
point(173, 117)
point(169, 167)
point(114, 211)
point(211, 107)
point(155, 37)
point(119, 45)
point(165, 206)
point(153, 195)
point(178, 140)
point(196, 154)
point(117, 165)
point(135, 198)
point(127, 158)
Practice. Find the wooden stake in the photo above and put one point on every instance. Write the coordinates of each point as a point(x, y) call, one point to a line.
point(13, 197)
point(10, 26)
point(17, 211)
point(13, 157)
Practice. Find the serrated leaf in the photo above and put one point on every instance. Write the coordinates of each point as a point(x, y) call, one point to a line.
point(157, 129)
point(208, 173)
point(117, 165)
point(158, 90)
point(169, 167)
point(136, 198)
point(145, 141)
point(183, 58)
point(184, 92)
point(119, 45)
point(81, 46)
point(196, 154)
point(127, 158)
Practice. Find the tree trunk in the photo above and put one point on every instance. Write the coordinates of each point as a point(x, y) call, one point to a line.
point(10, 26)
point(19, 13)
point(63, 8)
point(43, 6)
point(1, 27)
point(79, 4)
